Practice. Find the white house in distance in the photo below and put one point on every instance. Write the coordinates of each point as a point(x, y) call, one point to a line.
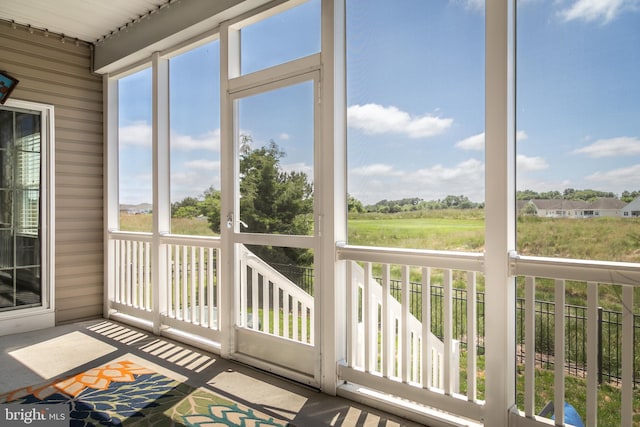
point(632, 209)
point(602, 207)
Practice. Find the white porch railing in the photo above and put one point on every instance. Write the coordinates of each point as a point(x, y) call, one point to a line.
point(130, 274)
point(192, 285)
point(388, 349)
point(369, 332)
point(187, 293)
point(271, 303)
point(592, 275)
point(397, 360)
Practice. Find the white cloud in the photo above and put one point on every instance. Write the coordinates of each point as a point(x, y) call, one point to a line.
point(202, 164)
point(617, 180)
point(376, 170)
point(376, 182)
point(597, 10)
point(526, 183)
point(521, 135)
point(136, 134)
point(209, 141)
point(192, 182)
point(139, 134)
point(621, 146)
point(474, 142)
point(476, 5)
point(376, 119)
point(528, 164)
point(284, 136)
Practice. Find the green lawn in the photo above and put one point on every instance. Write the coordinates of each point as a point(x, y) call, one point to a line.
point(422, 233)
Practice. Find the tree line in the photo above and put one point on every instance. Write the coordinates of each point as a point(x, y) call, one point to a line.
point(463, 202)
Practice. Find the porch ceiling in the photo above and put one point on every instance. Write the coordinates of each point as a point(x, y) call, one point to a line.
point(87, 20)
point(125, 32)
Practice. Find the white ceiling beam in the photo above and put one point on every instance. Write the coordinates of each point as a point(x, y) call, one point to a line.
point(167, 27)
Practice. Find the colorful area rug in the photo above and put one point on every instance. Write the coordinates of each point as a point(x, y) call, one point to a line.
point(123, 393)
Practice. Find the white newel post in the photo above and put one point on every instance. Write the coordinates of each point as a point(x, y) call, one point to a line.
point(500, 212)
point(161, 199)
point(331, 294)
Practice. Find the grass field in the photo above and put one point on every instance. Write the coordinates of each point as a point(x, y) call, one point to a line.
point(609, 239)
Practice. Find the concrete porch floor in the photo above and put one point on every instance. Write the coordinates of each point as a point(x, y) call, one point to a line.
point(30, 358)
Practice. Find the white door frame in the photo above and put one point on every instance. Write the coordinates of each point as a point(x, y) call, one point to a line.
point(286, 357)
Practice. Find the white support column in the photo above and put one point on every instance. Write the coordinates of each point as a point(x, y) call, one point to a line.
point(229, 68)
point(110, 199)
point(332, 198)
point(161, 198)
point(499, 212)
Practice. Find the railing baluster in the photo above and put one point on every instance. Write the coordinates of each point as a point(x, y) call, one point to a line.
point(276, 309)
point(265, 305)
point(530, 346)
point(427, 359)
point(415, 356)
point(211, 288)
point(218, 290)
point(406, 332)
point(592, 353)
point(140, 273)
point(312, 323)
point(169, 272)
point(118, 273)
point(286, 316)
point(184, 284)
point(147, 276)
point(295, 310)
point(471, 336)
point(241, 301)
point(176, 281)
point(367, 318)
point(627, 356)
point(193, 285)
point(303, 309)
point(559, 353)
point(127, 294)
point(202, 302)
point(387, 348)
point(134, 274)
point(352, 315)
point(255, 278)
point(447, 284)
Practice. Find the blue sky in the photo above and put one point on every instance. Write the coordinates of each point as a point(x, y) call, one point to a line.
point(415, 97)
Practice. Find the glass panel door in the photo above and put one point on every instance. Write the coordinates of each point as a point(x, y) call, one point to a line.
point(275, 233)
point(20, 278)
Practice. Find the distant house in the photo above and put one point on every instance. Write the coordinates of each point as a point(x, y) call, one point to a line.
point(559, 208)
point(605, 206)
point(632, 209)
point(142, 208)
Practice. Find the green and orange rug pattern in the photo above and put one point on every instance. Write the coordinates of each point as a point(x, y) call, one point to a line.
point(123, 393)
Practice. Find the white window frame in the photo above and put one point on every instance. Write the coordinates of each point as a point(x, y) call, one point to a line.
point(43, 316)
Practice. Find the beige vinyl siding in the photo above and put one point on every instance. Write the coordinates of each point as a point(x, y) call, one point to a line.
point(59, 74)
